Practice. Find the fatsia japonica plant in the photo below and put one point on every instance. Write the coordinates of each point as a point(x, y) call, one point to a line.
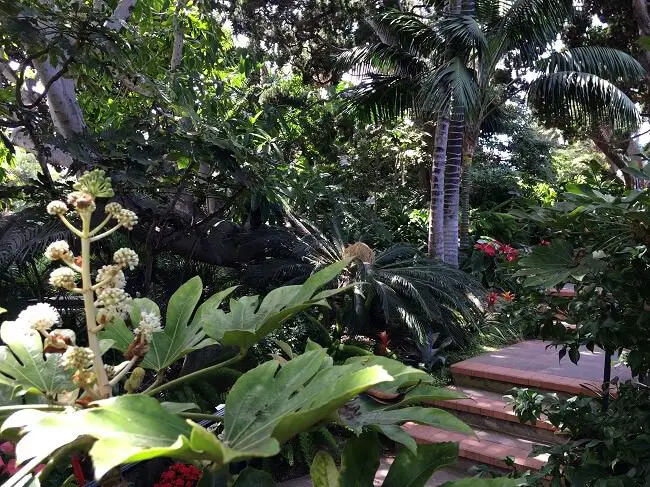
point(66, 399)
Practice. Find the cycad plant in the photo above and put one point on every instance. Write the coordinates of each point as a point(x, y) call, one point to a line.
point(427, 62)
point(401, 291)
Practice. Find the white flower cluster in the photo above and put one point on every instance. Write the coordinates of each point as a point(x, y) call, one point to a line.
point(149, 324)
point(59, 250)
point(41, 317)
point(57, 207)
point(126, 218)
point(77, 358)
point(113, 208)
point(126, 257)
point(63, 277)
point(111, 276)
point(114, 302)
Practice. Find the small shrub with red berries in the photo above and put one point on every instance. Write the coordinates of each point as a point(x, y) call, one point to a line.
point(179, 475)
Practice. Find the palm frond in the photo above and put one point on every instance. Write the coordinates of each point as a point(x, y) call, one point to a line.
point(583, 100)
point(604, 62)
point(461, 34)
point(380, 58)
point(407, 31)
point(397, 252)
point(529, 26)
point(453, 80)
point(382, 97)
point(25, 234)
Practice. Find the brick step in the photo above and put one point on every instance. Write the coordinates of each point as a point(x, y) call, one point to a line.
point(531, 364)
point(484, 447)
point(490, 411)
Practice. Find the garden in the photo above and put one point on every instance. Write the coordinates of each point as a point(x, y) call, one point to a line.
point(329, 243)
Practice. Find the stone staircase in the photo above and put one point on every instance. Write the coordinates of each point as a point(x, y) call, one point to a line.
point(497, 432)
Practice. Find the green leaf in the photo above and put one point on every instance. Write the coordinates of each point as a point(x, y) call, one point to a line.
point(177, 338)
point(251, 477)
point(476, 482)
point(360, 461)
point(249, 320)
point(364, 412)
point(425, 393)
point(551, 265)
point(323, 471)
point(24, 367)
point(398, 435)
point(404, 375)
point(283, 401)
point(410, 470)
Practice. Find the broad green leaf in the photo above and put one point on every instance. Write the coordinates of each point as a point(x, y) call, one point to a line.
point(414, 470)
point(476, 482)
point(405, 377)
point(177, 338)
point(266, 406)
point(251, 477)
point(425, 393)
point(25, 368)
point(552, 265)
point(364, 412)
point(398, 435)
point(360, 461)
point(271, 404)
point(248, 320)
point(323, 471)
point(126, 429)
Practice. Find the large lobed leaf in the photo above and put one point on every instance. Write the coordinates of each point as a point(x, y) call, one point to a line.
point(25, 368)
point(267, 406)
point(179, 335)
point(555, 264)
point(249, 320)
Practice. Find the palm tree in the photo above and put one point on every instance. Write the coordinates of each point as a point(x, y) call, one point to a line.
point(575, 87)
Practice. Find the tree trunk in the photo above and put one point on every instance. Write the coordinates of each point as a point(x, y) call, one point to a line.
point(436, 202)
point(465, 190)
point(452, 185)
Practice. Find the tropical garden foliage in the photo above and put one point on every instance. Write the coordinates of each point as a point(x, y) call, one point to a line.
point(318, 205)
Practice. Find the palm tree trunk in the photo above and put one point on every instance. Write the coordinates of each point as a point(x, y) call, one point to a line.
point(452, 184)
point(468, 8)
point(466, 189)
point(437, 201)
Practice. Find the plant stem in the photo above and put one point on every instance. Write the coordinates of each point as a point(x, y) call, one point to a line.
point(201, 416)
point(124, 371)
point(105, 234)
point(20, 407)
point(195, 375)
point(70, 226)
point(101, 225)
point(89, 307)
point(154, 384)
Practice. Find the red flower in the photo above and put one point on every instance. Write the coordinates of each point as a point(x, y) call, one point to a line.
point(544, 242)
point(486, 248)
point(7, 448)
point(179, 475)
point(508, 296)
point(492, 299)
point(383, 338)
point(509, 252)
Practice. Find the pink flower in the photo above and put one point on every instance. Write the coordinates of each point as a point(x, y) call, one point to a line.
point(544, 242)
point(492, 299)
point(486, 248)
point(7, 448)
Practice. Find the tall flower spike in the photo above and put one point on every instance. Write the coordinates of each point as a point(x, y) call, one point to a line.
point(95, 183)
point(57, 207)
point(41, 316)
